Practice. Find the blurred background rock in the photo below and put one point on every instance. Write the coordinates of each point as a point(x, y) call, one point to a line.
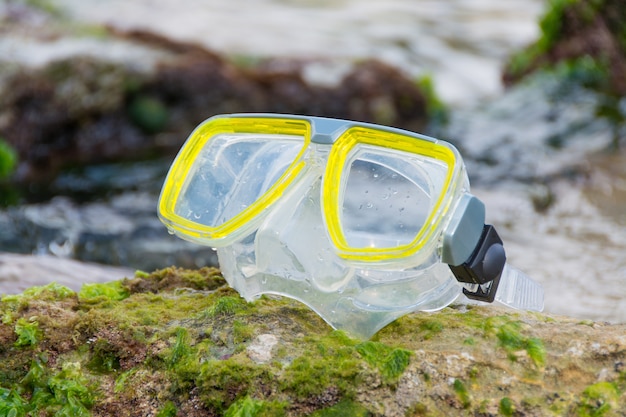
point(96, 99)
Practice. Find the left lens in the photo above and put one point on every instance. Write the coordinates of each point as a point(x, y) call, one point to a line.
point(232, 172)
point(227, 174)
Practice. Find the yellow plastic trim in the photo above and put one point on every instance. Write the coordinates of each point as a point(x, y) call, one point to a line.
point(337, 158)
point(184, 162)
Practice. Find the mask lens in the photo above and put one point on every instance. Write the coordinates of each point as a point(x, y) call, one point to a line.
point(386, 192)
point(227, 174)
point(388, 196)
point(232, 172)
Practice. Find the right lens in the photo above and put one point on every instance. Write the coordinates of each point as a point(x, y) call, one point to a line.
point(386, 192)
point(388, 196)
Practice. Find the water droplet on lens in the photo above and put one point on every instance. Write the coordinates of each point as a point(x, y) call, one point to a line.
point(170, 231)
point(197, 215)
point(369, 205)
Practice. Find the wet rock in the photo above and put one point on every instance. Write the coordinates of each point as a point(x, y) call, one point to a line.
point(577, 29)
point(145, 347)
point(565, 101)
point(260, 350)
point(582, 41)
point(542, 128)
point(124, 232)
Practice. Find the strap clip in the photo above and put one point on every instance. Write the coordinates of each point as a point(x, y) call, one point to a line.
point(483, 269)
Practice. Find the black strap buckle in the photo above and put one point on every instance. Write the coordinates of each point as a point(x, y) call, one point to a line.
point(484, 267)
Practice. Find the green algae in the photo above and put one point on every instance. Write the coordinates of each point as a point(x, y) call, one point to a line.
point(438, 112)
point(509, 335)
point(463, 394)
point(113, 290)
point(582, 43)
point(178, 349)
point(242, 332)
point(550, 29)
point(8, 159)
point(343, 408)
point(203, 279)
point(221, 382)
point(11, 404)
point(250, 407)
point(168, 410)
point(49, 292)
point(431, 328)
point(506, 407)
point(148, 113)
point(27, 331)
point(64, 393)
point(121, 381)
point(226, 306)
point(598, 399)
point(390, 362)
point(332, 361)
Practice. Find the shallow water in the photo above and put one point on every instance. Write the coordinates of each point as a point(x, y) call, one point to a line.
point(575, 244)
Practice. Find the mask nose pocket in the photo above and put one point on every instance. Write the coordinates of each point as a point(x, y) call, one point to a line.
point(293, 238)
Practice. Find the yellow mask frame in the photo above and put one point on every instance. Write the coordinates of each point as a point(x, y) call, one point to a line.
point(343, 138)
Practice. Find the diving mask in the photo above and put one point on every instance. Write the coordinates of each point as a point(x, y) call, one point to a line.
point(362, 223)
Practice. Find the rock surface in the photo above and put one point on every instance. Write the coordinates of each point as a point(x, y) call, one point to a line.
point(20, 272)
point(180, 342)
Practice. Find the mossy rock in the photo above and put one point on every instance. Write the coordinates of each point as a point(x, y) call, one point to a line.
point(580, 38)
point(182, 343)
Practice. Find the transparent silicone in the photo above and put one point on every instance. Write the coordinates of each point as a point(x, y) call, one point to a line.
point(290, 254)
point(518, 291)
